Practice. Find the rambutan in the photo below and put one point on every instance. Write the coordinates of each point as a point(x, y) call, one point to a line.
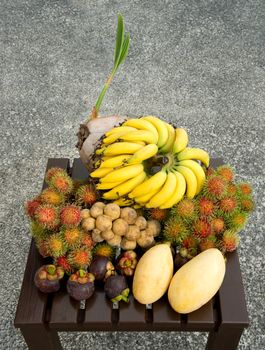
point(51, 196)
point(31, 206)
point(210, 171)
point(185, 209)
point(52, 172)
point(214, 187)
point(231, 189)
point(228, 205)
point(226, 172)
point(207, 243)
point(175, 230)
point(247, 204)
point(237, 221)
point(72, 236)
point(37, 231)
point(47, 216)
point(87, 241)
point(70, 215)
point(244, 188)
point(86, 195)
point(80, 258)
point(63, 263)
point(157, 214)
point(206, 207)
point(190, 242)
point(62, 183)
point(104, 249)
point(217, 225)
point(202, 228)
point(230, 241)
point(56, 245)
point(42, 247)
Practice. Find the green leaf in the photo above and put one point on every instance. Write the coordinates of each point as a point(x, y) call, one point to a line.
point(119, 39)
point(125, 48)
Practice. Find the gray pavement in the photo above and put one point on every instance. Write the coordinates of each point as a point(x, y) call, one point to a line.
point(198, 63)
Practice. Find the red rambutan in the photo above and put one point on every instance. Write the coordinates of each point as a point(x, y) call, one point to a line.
point(247, 204)
point(206, 207)
point(86, 195)
point(175, 230)
point(52, 172)
point(42, 247)
point(210, 171)
point(202, 228)
point(190, 242)
point(56, 245)
point(64, 264)
point(207, 243)
point(47, 216)
point(51, 196)
point(230, 241)
point(87, 240)
point(228, 205)
point(225, 172)
point(231, 189)
point(237, 221)
point(186, 209)
point(72, 236)
point(157, 214)
point(70, 215)
point(80, 258)
point(31, 206)
point(214, 187)
point(244, 188)
point(218, 225)
point(62, 183)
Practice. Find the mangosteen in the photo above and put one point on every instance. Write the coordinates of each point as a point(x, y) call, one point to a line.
point(116, 288)
point(127, 262)
point(47, 278)
point(101, 267)
point(80, 285)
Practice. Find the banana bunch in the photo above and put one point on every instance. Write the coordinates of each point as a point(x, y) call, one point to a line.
point(146, 162)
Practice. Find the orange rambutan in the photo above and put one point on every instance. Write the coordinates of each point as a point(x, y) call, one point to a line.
point(214, 187)
point(247, 204)
point(206, 207)
point(70, 215)
point(55, 245)
point(202, 228)
point(218, 225)
point(207, 243)
point(225, 172)
point(62, 183)
point(228, 205)
point(72, 236)
point(51, 196)
point(80, 258)
point(175, 230)
point(86, 195)
point(52, 172)
point(157, 214)
point(31, 206)
point(244, 188)
point(186, 209)
point(47, 216)
point(230, 241)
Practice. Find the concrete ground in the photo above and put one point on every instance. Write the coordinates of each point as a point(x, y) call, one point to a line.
point(198, 63)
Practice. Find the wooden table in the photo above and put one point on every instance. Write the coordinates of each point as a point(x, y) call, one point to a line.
point(40, 316)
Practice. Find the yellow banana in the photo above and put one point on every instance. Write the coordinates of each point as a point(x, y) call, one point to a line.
point(119, 148)
point(118, 129)
point(151, 184)
point(190, 180)
point(177, 193)
point(170, 141)
point(107, 185)
point(101, 172)
point(125, 187)
point(144, 199)
point(145, 152)
point(161, 129)
point(115, 161)
point(123, 174)
point(142, 124)
point(181, 140)
point(165, 193)
point(116, 136)
point(123, 202)
point(194, 153)
point(140, 135)
point(198, 172)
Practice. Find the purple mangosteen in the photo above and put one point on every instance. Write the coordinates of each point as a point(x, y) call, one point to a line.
point(80, 285)
point(116, 288)
point(47, 278)
point(101, 267)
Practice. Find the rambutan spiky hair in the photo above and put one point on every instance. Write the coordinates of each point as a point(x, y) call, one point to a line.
point(70, 215)
point(47, 216)
point(175, 230)
point(80, 258)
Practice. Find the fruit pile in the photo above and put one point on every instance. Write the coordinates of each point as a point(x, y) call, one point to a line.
point(119, 227)
point(147, 162)
point(213, 218)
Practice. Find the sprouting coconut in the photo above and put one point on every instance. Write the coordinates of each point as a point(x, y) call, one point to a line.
point(95, 126)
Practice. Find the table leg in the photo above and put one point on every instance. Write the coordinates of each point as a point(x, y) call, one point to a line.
point(39, 337)
point(225, 338)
